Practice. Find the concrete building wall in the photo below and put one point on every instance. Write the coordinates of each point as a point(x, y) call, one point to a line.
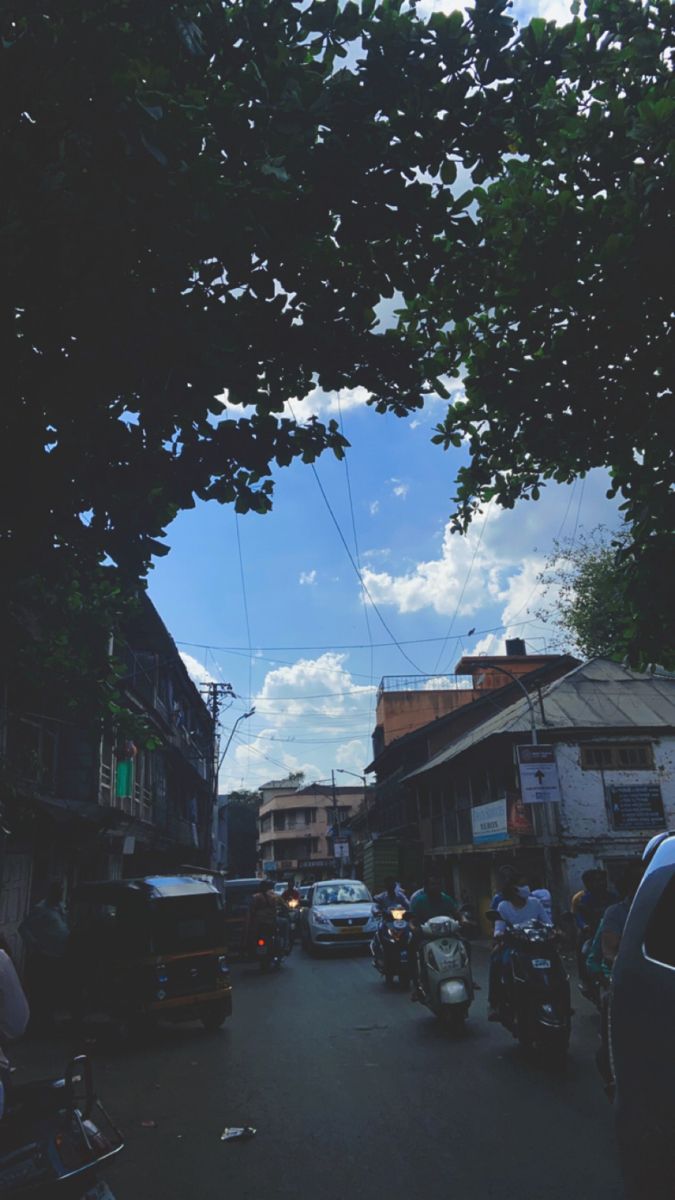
point(399, 713)
point(587, 836)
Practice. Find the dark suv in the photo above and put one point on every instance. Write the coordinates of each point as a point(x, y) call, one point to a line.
point(642, 1030)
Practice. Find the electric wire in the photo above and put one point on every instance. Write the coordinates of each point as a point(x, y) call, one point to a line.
point(465, 586)
point(369, 633)
point(242, 576)
point(350, 556)
point(336, 648)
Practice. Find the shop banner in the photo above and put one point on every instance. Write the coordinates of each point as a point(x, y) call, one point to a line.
point(488, 822)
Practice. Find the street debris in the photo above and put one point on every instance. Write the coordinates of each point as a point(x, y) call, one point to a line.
point(232, 1132)
point(149, 1124)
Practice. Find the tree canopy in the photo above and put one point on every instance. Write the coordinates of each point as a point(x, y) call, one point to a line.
point(212, 198)
point(584, 594)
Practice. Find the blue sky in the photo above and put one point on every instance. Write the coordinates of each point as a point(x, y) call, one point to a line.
point(312, 671)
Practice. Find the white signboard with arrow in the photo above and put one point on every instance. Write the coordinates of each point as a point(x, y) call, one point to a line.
point(539, 780)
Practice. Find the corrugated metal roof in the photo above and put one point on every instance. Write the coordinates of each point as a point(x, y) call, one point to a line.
point(598, 695)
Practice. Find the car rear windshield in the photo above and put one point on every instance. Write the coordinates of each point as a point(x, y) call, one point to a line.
point(187, 923)
point(343, 893)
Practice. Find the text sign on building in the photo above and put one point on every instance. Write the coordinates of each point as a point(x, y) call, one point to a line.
point(539, 780)
point(638, 806)
point(488, 822)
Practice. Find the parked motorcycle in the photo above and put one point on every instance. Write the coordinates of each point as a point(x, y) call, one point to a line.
point(447, 982)
point(54, 1137)
point(534, 999)
point(392, 945)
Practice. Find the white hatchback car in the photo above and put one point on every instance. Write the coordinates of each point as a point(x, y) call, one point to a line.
point(338, 913)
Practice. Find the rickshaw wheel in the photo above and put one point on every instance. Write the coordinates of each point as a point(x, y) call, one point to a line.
point(213, 1017)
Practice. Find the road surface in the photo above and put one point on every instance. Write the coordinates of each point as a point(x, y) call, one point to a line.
point(354, 1091)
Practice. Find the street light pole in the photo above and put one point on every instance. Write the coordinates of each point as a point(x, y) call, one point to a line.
point(242, 717)
point(521, 685)
point(343, 771)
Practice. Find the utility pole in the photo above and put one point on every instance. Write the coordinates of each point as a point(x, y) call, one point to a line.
point(336, 823)
point(213, 693)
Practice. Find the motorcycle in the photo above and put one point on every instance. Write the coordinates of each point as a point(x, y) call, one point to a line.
point(54, 1137)
point(392, 945)
point(448, 988)
point(534, 999)
point(269, 950)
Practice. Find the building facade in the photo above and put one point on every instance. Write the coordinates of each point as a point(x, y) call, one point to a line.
point(300, 830)
point(81, 800)
point(605, 737)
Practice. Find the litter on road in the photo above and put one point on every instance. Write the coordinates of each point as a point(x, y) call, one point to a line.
point(233, 1132)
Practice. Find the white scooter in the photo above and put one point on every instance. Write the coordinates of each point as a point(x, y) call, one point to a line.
point(447, 981)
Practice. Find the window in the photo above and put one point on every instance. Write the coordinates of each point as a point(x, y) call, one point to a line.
point(660, 935)
point(265, 824)
point(618, 756)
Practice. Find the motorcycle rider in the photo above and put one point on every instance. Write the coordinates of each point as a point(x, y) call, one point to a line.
point(588, 907)
point(602, 956)
point(517, 907)
point(268, 916)
point(430, 902)
point(392, 896)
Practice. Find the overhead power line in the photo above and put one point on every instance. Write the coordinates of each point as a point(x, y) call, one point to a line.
point(352, 645)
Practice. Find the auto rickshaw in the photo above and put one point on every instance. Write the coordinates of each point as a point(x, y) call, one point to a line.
point(149, 949)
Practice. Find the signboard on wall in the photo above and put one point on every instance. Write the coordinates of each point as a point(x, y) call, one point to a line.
point(539, 780)
point(636, 806)
point(488, 822)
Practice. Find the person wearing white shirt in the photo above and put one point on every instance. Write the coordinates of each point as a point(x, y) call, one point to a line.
point(517, 907)
point(14, 1014)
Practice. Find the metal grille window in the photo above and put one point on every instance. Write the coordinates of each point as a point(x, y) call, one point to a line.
point(618, 756)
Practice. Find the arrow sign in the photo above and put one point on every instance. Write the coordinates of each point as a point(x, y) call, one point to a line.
point(539, 781)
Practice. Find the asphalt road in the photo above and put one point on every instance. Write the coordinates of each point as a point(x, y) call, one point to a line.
point(354, 1091)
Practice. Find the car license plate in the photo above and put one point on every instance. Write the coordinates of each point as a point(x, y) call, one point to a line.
point(542, 963)
point(349, 932)
point(100, 1191)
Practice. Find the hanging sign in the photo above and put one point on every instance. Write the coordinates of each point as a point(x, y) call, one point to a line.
point(539, 780)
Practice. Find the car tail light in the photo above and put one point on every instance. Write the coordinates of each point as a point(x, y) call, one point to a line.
point(261, 941)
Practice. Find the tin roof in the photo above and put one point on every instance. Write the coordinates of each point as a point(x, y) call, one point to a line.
point(598, 695)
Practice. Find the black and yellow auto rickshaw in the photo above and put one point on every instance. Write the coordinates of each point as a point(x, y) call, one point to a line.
point(150, 948)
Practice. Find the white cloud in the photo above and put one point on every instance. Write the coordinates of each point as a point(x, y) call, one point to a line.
point(400, 489)
point(308, 577)
point(523, 10)
point(374, 507)
point(498, 560)
point(196, 670)
point(310, 716)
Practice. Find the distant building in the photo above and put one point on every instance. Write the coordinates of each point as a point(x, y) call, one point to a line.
point(237, 838)
point(300, 830)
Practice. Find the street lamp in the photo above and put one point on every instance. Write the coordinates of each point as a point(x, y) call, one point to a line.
point(242, 717)
point(344, 771)
point(503, 671)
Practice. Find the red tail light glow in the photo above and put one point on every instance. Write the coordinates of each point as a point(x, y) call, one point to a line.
point(261, 941)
